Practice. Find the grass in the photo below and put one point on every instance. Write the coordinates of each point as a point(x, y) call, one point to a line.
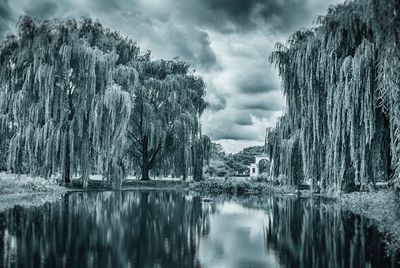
point(239, 187)
point(130, 184)
point(27, 191)
point(383, 207)
point(14, 184)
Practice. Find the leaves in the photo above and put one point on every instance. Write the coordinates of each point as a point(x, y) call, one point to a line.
point(339, 93)
point(77, 98)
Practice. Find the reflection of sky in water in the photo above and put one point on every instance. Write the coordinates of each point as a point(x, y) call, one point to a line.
point(170, 229)
point(236, 238)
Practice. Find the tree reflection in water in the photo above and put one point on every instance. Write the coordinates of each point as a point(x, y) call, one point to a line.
point(105, 229)
point(311, 233)
point(171, 229)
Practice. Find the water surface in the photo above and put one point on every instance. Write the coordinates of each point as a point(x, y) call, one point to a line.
point(172, 229)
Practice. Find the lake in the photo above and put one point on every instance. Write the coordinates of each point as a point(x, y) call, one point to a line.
point(174, 229)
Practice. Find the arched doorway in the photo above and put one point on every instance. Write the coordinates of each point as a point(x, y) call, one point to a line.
point(255, 167)
point(264, 166)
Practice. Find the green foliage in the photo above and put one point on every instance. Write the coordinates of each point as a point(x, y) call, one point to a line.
point(201, 151)
point(217, 151)
point(341, 82)
point(217, 168)
point(246, 156)
point(12, 184)
point(239, 187)
point(222, 164)
point(76, 98)
point(240, 162)
point(264, 176)
point(164, 128)
point(264, 166)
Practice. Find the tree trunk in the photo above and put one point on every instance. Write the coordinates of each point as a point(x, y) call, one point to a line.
point(67, 160)
point(145, 172)
point(146, 160)
point(198, 159)
point(85, 170)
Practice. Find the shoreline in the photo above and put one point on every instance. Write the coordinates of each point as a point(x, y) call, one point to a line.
point(27, 191)
point(382, 206)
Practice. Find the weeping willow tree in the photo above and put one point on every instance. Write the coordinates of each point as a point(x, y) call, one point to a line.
point(76, 98)
point(341, 81)
point(166, 119)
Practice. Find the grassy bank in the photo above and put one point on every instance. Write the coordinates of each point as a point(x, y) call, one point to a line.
point(239, 187)
point(17, 184)
point(132, 185)
point(26, 191)
point(382, 207)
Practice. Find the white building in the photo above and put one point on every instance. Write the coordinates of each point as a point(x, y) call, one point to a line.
point(255, 167)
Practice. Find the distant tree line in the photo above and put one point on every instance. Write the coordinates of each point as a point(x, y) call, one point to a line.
point(222, 164)
point(78, 99)
point(342, 85)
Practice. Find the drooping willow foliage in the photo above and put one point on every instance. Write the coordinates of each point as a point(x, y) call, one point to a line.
point(342, 86)
point(166, 125)
point(76, 99)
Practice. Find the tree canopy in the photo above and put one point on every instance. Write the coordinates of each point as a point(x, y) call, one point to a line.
point(77, 98)
point(341, 81)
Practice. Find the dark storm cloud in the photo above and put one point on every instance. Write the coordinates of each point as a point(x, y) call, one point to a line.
point(206, 56)
point(43, 9)
point(256, 82)
point(108, 5)
point(6, 17)
point(193, 46)
point(239, 15)
point(243, 120)
point(237, 12)
point(262, 104)
point(287, 15)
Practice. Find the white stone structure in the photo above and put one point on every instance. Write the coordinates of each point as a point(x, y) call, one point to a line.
point(255, 168)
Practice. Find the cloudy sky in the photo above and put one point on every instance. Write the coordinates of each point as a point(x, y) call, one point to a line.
point(226, 41)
